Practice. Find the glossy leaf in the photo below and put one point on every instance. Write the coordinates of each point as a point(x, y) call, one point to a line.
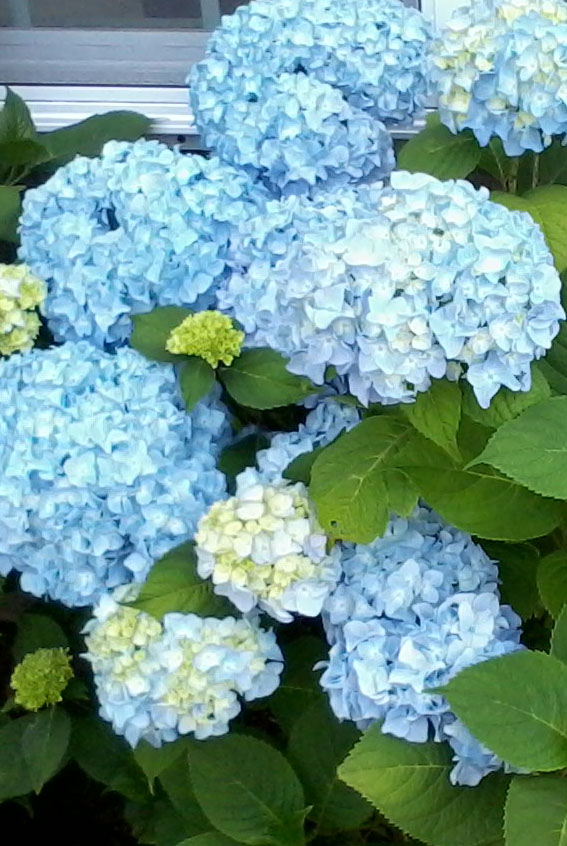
point(174, 586)
point(317, 745)
point(152, 330)
point(517, 707)
point(44, 743)
point(507, 404)
point(536, 811)
point(532, 449)
point(436, 151)
point(259, 378)
point(88, 137)
point(409, 784)
point(37, 631)
point(196, 380)
point(248, 791)
point(552, 581)
point(436, 413)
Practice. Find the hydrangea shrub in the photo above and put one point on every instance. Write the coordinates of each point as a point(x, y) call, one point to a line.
point(299, 93)
point(283, 453)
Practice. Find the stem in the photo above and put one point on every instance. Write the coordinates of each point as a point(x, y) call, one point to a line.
point(535, 176)
point(513, 178)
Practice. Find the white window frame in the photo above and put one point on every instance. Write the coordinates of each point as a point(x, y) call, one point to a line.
point(440, 10)
point(151, 65)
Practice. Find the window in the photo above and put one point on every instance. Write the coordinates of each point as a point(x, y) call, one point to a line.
point(73, 58)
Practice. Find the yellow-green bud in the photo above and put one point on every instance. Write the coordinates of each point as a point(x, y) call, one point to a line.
point(209, 335)
point(40, 678)
point(20, 293)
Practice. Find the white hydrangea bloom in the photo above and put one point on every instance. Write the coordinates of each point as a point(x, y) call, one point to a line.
point(20, 294)
point(265, 547)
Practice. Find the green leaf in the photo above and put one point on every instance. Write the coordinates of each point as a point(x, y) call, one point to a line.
point(299, 470)
point(472, 439)
point(317, 745)
point(559, 637)
point(436, 413)
point(15, 119)
point(248, 790)
point(550, 202)
point(211, 838)
point(552, 581)
point(37, 631)
point(440, 153)
point(44, 743)
point(159, 823)
point(15, 777)
point(348, 483)
point(176, 781)
point(554, 365)
point(486, 504)
point(196, 380)
point(154, 761)
point(260, 379)
point(517, 566)
point(495, 161)
point(402, 492)
point(23, 153)
point(546, 205)
point(532, 449)
point(517, 707)
point(237, 457)
point(173, 585)
point(507, 404)
point(553, 164)
point(409, 784)
point(107, 758)
point(536, 811)
point(10, 208)
point(152, 330)
point(88, 137)
point(299, 688)
point(515, 203)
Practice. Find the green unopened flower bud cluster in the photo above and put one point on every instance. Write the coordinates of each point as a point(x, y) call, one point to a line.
point(20, 294)
point(41, 677)
point(209, 335)
point(265, 547)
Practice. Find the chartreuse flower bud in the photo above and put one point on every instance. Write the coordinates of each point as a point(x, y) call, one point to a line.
point(209, 335)
point(20, 293)
point(41, 677)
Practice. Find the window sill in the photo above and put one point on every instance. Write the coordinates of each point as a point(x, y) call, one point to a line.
point(55, 106)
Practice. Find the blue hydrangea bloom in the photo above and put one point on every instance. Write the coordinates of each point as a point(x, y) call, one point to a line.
point(298, 91)
point(324, 423)
point(413, 609)
point(397, 285)
point(499, 69)
point(102, 471)
point(186, 675)
point(140, 226)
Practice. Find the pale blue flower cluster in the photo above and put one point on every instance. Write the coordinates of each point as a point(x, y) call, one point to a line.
point(102, 471)
point(413, 609)
point(499, 68)
point(298, 91)
point(140, 226)
point(322, 426)
point(186, 675)
point(396, 285)
point(265, 548)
